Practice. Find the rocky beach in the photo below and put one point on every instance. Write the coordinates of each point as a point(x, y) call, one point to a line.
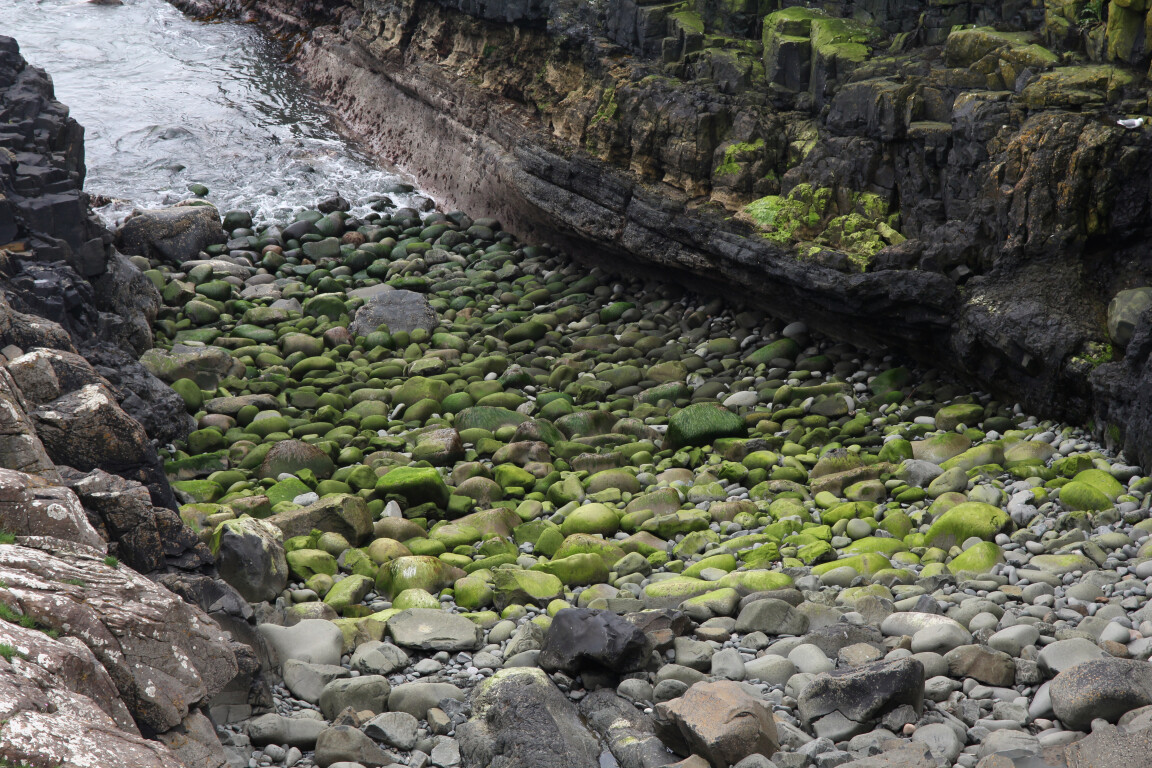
point(386, 482)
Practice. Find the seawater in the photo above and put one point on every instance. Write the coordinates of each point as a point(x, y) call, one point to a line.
point(166, 101)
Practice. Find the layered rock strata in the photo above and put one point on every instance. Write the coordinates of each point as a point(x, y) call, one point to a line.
point(874, 168)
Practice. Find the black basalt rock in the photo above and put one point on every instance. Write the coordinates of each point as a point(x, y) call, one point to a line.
point(584, 639)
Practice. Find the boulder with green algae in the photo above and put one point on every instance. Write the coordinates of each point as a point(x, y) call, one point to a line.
point(286, 490)
point(1028, 452)
point(755, 580)
point(305, 563)
point(416, 572)
point(291, 456)
point(701, 423)
point(866, 564)
point(590, 544)
point(1101, 481)
point(963, 521)
point(716, 602)
point(487, 417)
point(976, 456)
point(671, 525)
point(591, 518)
point(1080, 496)
point(418, 485)
point(347, 592)
point(512, 586)
point(417, 388)
point(815, 552)
point(885, 546)
point(979, 558)
point(951, 416)
point(1062, 563)
point(341, 513)
point(455, 534)
point(671, 592)
point(576, 570)
point(414, 598)
point(940, 448)
point(473, 592)
point(781, 349)
point(197, 491)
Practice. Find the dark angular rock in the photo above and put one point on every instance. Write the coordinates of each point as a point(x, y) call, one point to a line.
point(662, 627)
point(863, 694)
point(520, 719)
point(628, 732)
point(172, 235)
point(581, 638)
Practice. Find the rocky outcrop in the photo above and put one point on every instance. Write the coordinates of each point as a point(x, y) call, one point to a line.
point(136, 651)
point(99, 665)
point(62, 285)
point(969, 191)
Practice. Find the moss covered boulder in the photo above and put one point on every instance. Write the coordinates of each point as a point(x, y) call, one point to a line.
point(418, 485)
point(416, 572)
point(591, 518)
point(702, 423)
point(963, 521)
point(512, 586)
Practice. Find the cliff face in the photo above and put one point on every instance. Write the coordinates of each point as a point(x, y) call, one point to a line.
point(98, 664)
point(949, 180)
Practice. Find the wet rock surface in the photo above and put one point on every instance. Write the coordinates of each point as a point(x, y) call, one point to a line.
point(880, 566)
point(569, 517)
point(751, 148)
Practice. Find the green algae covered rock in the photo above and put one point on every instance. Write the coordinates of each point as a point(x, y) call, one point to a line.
point(671, 592)
point(576, 570)
point(866, 564)
point(347, 592)
point(418, 485)
point(756, 580)
point(979, 558)
point(1083, 497)
point(591, 518)
point(701, 423)
point(972, 518)
point(517, 587)
point(416, 572)
point(305, 563)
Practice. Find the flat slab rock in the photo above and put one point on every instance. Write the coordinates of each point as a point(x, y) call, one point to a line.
point(430, 629)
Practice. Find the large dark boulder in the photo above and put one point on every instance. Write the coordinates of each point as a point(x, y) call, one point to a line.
point(584, 639)
point(844, 702)
point(399, 310)
point(173, 235)
point(521, 720)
